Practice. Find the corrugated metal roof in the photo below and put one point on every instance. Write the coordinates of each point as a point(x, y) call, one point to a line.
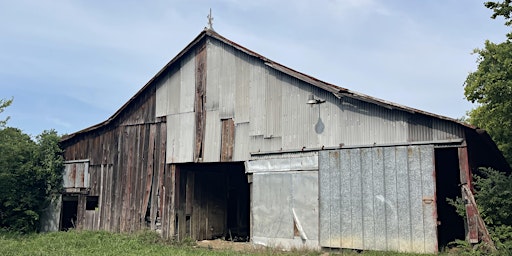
point(336, 90)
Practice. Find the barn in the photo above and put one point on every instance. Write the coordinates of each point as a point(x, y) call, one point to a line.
point(225, 143)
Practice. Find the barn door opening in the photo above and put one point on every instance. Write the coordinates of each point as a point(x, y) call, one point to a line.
point(451, 225)
point(212, 202)
point(69, 212)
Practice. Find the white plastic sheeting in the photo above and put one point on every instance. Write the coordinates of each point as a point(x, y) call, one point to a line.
point(284, 205)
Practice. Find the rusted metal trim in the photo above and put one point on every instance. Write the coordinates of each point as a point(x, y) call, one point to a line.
point(304, 149)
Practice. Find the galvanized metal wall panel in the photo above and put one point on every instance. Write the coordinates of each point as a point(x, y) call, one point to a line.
point(261, 143)
point(444, 130)
point(241, 147)
point(187, 85)
point(378, 194)
point(173, 84)
point(227, 84)
point(273, 102)
point(298, 118)
point(180, 138)
point(212, 137)
point(228, 79)
point(162, 98)
point(390, 199)
point(213, 74)
point(257, 100)
point(243, 65)
point(428, 183)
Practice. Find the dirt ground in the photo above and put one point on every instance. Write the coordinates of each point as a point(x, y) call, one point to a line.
point(223, 244)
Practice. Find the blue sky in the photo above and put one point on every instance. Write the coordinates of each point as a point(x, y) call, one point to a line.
point(71, 64)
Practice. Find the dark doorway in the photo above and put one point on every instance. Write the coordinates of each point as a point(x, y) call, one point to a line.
point(212, 201)
point(451, 225)
point(69, 212)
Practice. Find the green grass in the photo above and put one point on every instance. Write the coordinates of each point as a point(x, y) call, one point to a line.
point(105, 243)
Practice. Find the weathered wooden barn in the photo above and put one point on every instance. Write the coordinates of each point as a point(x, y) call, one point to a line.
point(223, 142)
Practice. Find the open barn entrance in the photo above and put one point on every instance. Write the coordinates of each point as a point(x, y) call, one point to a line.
point(69, 212)
point(212, 201)
point(451, 225)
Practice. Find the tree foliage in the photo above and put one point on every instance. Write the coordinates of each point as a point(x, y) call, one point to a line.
point(501, 9)
point(494, 191)
point(490, 86)
point(30, 175)
point(3, 104)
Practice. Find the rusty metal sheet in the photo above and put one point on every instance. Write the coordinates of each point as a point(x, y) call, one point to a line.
point(76, 174)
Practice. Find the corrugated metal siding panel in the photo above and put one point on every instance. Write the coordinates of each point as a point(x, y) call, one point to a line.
point(261, 143)
point(228, 79)
point(173, 84)
point(187, 85)
point(213, 74)
point(162, 98)
point(420, 128)
point(227, 86)
point(372, 199)
point(365, 123)
point(273, 102)
point(180, 137)
point(257, 89)
point(241, 147)
point(212, 137)
point(243, 67)
point(444, 130)
point(298, 118)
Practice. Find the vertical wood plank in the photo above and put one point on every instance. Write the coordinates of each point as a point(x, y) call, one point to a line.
point(227, 140)
point(149, 172)
point(200, 100)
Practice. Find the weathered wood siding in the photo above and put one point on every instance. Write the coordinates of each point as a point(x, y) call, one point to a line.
point(127, 170)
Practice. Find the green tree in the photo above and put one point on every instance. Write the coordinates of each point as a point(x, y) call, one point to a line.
point(494, 190)
point(490, 86)
point(3, 104)
point(30, 176)
point(18, 181)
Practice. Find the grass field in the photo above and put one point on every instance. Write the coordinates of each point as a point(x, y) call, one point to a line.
point(105, 243)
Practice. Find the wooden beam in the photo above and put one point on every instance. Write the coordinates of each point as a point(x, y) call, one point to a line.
point(199, 102)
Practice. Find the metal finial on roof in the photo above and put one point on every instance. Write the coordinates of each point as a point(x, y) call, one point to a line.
point(210, 20)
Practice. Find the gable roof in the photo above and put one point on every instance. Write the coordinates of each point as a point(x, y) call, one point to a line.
point(479, 136)
point(336, 90)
